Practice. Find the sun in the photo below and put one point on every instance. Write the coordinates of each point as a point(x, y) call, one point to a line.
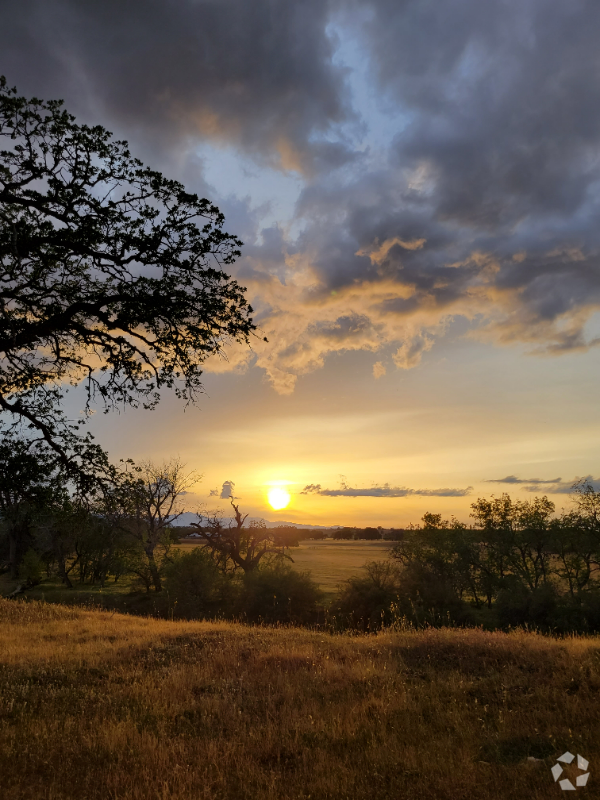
point(279, 498)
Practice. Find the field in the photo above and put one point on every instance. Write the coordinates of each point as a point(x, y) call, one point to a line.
point(331, 562)
point(101, 706)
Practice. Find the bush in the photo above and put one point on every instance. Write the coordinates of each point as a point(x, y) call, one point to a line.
point(389, 592)
point(196, 587)
point(31, 569)
point(590, 609)
point(367, 602)
point(428, 596)
point(518, 605)
point(277, 593)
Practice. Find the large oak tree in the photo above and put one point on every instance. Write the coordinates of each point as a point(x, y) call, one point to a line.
point(110, 273)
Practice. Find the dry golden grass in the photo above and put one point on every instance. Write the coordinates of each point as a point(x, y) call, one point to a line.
point(101, 706)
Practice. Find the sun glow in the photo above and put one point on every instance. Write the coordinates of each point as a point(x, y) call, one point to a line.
point(279, 498)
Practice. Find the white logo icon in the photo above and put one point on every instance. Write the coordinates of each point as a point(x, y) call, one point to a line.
point(582, 765)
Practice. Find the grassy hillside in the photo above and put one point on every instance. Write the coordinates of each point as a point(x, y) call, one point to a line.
point(97, 705)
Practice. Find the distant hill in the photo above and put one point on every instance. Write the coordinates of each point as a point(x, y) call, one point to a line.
point(188, 517)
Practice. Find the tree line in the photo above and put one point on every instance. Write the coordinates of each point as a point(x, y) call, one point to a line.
point(519, 563)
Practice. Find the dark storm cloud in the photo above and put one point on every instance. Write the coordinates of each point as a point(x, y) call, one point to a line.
point(484, 204)
point(503, 99)
point(487, 204)
point(384, 491)
point(258, 75)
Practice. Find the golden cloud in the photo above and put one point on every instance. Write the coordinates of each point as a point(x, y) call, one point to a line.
point(379, 252)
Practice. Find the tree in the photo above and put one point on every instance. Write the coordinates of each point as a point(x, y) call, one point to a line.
point(495, 517)
point(235, 547)
point(368, 533)
point(29, 480)
point(287, 536)
point(440, 559)
point(576, 552)
point(60, 532)
point(576, 540)
point(517, 539)
point(344, 533)
point(110, 274)
point(533, 541)
point(149, 502)
point(587, 510)
point(394, 535)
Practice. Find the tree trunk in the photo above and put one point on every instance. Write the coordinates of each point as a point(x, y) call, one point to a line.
point(64, 575)
point(12, 555)
point(154, 570)
point(63, 571)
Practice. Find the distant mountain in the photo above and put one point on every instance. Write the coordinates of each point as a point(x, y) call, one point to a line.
point(187, 517)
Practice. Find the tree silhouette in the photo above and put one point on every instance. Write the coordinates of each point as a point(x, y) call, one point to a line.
point(149, 502)
point(110, 273)
point(236, 547)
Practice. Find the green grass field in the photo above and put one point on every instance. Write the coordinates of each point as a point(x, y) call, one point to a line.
point(331, 562)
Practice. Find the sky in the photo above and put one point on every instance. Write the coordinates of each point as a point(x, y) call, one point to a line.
point(417, 186)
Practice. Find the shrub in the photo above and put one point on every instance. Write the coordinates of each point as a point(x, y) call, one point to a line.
point(31, 568)
point(389, 592)
point(430, 596)
point(518, 605)
point(366, 602)
point(196, 587)
point(277, 593)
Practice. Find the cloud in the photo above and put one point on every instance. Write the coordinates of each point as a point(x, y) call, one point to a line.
point(378, 253)
point(379, 369)
point(550, 486)
point(384, 491)
point(259, 75)
point(486, 204)
point(477, 197)
point(513, 479)
point(566, 487)
point(226, 492)
point(498, 147)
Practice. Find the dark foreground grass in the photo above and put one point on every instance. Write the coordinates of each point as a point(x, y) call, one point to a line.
point(100, 706)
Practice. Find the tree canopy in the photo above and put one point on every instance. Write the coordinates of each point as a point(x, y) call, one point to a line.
point(110, 273)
